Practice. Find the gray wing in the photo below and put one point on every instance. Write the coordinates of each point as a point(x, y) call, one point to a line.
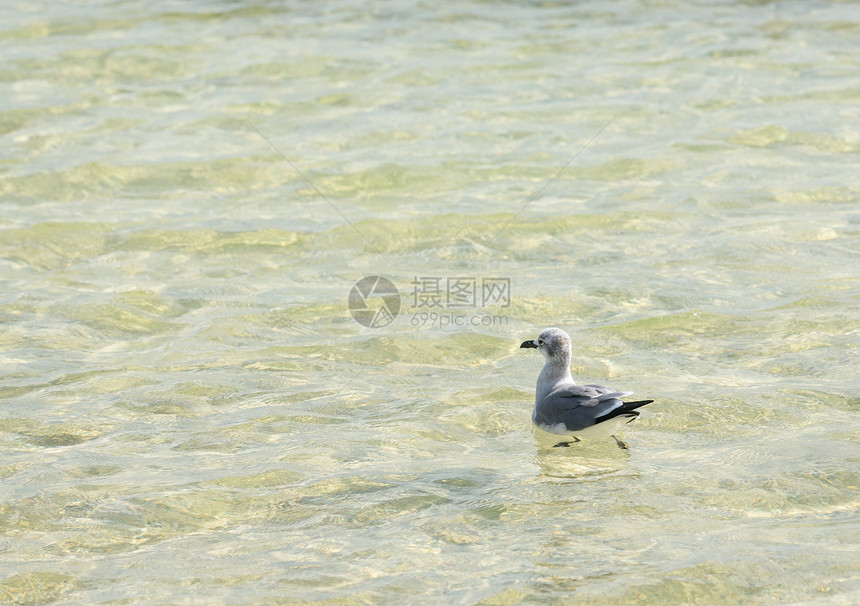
point(577, 406)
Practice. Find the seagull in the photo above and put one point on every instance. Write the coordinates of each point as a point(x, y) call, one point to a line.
point(580, 411)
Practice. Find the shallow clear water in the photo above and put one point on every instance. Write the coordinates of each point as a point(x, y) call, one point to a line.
point(189, 191)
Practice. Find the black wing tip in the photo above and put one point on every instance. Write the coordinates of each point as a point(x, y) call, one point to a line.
point(626, 409)
point(637, 404)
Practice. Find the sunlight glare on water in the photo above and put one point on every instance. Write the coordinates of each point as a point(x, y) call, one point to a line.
point(189, 192)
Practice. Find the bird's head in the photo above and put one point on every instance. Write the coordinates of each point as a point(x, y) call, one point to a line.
point(553, 343)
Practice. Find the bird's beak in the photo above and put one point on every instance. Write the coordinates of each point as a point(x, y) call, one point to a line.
point(528, 345)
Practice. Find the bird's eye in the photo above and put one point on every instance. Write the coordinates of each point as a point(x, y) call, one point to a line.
point(540, 341)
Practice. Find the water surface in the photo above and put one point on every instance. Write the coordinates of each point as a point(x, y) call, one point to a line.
point(188, 192)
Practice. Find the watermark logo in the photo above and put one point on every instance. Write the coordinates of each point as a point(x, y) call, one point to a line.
point(460, 292)
point(374, 301)
point(440, 301)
